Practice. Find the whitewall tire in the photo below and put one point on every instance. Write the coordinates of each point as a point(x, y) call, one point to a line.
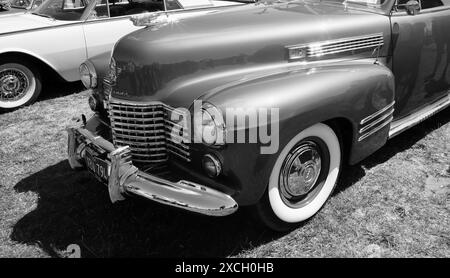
point(302, 179)
point(20, 84)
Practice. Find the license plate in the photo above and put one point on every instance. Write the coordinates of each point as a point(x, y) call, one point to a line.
point(97, 166)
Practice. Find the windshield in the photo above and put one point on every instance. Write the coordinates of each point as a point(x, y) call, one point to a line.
point(62, 9)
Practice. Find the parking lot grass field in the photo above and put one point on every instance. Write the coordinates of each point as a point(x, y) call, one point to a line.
point(394, 203)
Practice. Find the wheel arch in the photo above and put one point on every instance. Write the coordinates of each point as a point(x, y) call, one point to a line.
point(340, 95)
point(344, 129)
point(45, 69)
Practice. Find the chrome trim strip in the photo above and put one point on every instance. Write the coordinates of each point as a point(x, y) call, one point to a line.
point(379, 112)
point(377, 121)
point(409, 121)
point(376, 39)
point(41, 28)
point(338, 40)
point(338, 49)
point(136, 144)
point(138, 138)
point(375, 129)
point(329, 47)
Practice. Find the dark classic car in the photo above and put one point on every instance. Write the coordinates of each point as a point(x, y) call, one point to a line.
point(182, 115)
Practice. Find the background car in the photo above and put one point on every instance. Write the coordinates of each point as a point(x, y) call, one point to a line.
point(58, 36)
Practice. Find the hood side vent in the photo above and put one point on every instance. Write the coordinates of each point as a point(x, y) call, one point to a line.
point(333, 47)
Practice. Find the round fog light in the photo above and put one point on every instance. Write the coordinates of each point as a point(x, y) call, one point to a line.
point(211, 165)
point(93, 103)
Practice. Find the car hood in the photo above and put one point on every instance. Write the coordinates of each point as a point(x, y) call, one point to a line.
point(23, 22)
point(181, 61)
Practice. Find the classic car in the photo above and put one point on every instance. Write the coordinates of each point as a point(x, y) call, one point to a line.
point(19, 6)
point(340, 79)
point(57, 37)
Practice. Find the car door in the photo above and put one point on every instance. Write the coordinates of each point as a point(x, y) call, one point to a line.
point(421, 55)
point(61, 44)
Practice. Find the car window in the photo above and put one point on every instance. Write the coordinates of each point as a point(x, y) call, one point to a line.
point(125, 7)
point(62, 9)
point(100, 10)
point(428, 4)
point(425, 4)
point(191, 4)
point(172, 5)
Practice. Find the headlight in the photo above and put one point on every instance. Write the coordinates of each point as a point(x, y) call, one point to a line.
point(88, 75)
point(209, 125)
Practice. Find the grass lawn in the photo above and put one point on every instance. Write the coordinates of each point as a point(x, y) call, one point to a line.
point(396, 203)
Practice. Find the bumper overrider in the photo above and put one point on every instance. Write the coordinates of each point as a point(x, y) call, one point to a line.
point(123, 178)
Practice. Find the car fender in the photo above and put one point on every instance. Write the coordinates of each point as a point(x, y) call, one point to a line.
point(5, 52)
point(346, 91)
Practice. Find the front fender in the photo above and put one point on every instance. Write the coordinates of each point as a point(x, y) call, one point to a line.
point(349, 91)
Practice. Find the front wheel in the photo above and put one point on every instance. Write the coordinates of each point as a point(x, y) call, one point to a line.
point(302, 179)
point(20, 84)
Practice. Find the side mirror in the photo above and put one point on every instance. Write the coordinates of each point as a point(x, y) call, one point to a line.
point(412, 7)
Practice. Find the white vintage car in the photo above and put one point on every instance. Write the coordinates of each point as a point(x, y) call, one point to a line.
point(54, 39)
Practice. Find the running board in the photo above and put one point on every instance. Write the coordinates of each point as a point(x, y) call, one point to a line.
point(409, 121)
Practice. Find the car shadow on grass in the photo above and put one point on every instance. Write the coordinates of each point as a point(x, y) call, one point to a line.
point(60, 89)
point(73, 208)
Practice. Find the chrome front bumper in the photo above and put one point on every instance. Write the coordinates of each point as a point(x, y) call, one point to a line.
point(126, 179)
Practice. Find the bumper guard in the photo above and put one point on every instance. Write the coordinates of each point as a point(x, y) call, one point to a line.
point(126, 179)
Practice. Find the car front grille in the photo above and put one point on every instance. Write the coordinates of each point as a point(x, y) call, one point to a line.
point(148, 130)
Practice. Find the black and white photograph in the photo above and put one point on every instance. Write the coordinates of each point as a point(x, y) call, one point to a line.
point(241, 130)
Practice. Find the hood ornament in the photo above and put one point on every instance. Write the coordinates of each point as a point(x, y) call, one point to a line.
point(154, 20)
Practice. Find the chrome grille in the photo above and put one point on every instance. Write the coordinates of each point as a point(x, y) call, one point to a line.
point(147, 129)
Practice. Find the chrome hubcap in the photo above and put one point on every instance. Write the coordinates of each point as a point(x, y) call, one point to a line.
point(13, 84)
point(301, 170)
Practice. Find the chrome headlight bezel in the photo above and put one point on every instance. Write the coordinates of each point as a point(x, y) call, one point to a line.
point(209, 126)
point(88, 75)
